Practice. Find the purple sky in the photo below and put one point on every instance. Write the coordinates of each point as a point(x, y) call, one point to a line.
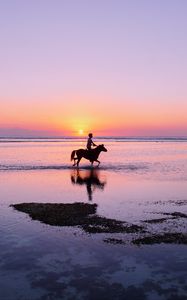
point(114, 67)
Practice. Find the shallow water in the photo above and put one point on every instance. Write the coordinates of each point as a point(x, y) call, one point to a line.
point(136, 181)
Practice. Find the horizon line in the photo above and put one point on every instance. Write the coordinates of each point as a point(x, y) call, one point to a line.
point(97, 137)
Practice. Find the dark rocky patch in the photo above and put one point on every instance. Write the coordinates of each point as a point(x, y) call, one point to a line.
point(172, 214)
point(99, 224)
point(178, 202)
point(75, 214)
point(176, 214)
point(84, 216)
point(58, 214)
point(173, 202)
point(168, 238)
point(114, 241)
point(155, 221)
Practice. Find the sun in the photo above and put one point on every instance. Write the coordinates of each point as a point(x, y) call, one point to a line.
point(81, 131)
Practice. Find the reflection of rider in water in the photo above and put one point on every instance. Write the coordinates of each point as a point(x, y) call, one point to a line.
point(89, 190)
point(90, 179)
point(90, 143)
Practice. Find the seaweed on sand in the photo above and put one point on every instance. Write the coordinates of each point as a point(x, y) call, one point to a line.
point(155, 221)
point(75, 214)
point(168, 238)
point(114, 241)
point(84, 216)
point(176, 214)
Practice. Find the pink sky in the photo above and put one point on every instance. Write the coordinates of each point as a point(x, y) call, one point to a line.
point(110, 67)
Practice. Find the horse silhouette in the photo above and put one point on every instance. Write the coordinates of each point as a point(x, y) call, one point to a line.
point(88, 178)
point(92, 155)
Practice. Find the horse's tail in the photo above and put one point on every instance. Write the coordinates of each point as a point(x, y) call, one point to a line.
point(73, 154)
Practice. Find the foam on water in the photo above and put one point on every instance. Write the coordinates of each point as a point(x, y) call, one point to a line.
point(109, 167)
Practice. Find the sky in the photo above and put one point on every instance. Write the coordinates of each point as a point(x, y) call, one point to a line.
point(111, 67)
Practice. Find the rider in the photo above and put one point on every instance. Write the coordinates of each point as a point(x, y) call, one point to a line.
point(90, 143)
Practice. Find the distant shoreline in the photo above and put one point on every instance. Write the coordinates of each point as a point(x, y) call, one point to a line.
point(103, 138)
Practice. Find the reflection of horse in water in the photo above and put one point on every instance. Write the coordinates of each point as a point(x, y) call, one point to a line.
point(92, 155)
point(90, 178)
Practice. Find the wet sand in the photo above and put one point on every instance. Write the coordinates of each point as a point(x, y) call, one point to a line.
point(115, 232)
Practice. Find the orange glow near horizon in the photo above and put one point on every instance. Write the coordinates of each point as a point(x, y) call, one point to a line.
point(81, 132)
point(77, 116)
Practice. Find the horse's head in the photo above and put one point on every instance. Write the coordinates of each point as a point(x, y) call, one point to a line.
point(102, 148)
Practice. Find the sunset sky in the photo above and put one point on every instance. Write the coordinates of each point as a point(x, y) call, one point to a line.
point(112, 67)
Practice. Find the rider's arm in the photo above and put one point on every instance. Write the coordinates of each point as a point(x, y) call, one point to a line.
point(93, 144)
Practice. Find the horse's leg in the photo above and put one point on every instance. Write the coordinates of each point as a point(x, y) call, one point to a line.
point(74, 161)
point(98, 162)
point(79, 158)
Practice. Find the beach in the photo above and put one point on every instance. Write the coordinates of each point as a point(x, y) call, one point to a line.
point(117, 231)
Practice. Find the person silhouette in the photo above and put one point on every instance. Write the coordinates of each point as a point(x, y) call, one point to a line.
point(90, 143)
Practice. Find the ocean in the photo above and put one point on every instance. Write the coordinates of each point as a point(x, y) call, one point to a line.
point(141, 182)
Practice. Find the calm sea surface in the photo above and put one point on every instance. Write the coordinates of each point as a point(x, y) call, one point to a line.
point(138, 180)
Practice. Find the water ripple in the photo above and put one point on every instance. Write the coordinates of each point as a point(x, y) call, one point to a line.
point(112, 167)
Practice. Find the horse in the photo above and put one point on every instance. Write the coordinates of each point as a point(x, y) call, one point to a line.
point(92, 155)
